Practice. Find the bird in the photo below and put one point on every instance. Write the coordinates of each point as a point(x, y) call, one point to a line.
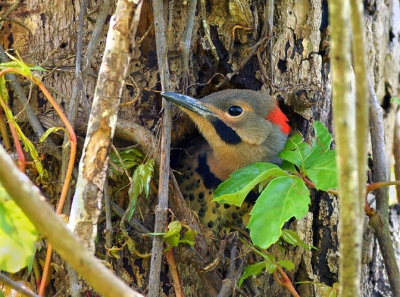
point(239, 127)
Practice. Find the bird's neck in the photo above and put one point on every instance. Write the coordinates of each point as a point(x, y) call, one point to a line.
point(226, 159)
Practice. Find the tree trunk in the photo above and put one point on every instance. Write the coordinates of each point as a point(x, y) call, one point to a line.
point(292, 64)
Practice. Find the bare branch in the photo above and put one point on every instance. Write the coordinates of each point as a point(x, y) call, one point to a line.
point(380, 221)
point(362, 95)
point(4, 279)
point(350, 229)
point(162, 206)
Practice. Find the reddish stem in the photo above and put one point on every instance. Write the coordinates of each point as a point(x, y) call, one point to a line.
point(284, 281)
point(20, 152)
point(378, 185)
point(312, 185)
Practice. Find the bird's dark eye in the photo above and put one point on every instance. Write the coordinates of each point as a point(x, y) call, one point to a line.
point(235, 110)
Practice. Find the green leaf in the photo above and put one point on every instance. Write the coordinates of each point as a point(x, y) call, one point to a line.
point(395, 99)
point(15, 65)
point(17, 236)
point(173, 228)
point(295, 151)
point(3, 89)
point(235, 189)
point(157, 233)
point(287, 166)
point(321, 144)
point(20, 65)
point(188, 238)
point(286, 264)
point(28, 144)
point(173, 241)
point(49, 131)
point(283, 198)
point(148, 169)
point(130, 157)
point(323, 289)
point(270, 267)
point(140, 181)
point(322, 137)
point(323, 172)
point(252, 270)
point(293, 238)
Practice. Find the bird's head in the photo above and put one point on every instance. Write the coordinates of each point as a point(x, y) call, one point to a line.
point(242, 125)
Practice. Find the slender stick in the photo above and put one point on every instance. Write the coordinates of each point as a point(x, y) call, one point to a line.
point(380, 221)
point(16, 286)
point(396, 153)
point(350, 229)
point(362, 96)
point(188, 33)
point(162, 206)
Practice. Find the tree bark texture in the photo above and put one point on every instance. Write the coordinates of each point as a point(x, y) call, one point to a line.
point(300, 80)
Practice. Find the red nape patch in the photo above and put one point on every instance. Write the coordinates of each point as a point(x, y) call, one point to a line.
point(277, 117)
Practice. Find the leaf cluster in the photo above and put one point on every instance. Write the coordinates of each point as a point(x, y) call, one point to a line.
point(284, 192)
point(141, 176)
point(175, 235)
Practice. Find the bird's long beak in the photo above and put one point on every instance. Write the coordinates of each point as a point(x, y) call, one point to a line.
point(188, 103)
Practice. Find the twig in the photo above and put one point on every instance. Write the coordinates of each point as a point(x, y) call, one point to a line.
point(20, 152)
point(231, 47)
point(97, 30)
point(350, 229)
point(72, 111)
point(284, 281)
point(229, 282)
point(16, 286)
point(396, 153)
point(203, 13)
point(380, 221)
point(268, 30)
point(187, 35)
point(220, 254)
point(170, 19)
point(109, 227)
point(378, 185)
point(312, 185)
point(132, 222)
point(162, 206)
point(362, 96)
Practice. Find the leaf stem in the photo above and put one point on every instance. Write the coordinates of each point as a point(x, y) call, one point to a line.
point(284, 281)
point(312, 185)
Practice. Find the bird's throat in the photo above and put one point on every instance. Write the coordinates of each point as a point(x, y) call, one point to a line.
point(224, 160)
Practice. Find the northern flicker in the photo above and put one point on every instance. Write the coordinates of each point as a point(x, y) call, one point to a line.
point(240, 127)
